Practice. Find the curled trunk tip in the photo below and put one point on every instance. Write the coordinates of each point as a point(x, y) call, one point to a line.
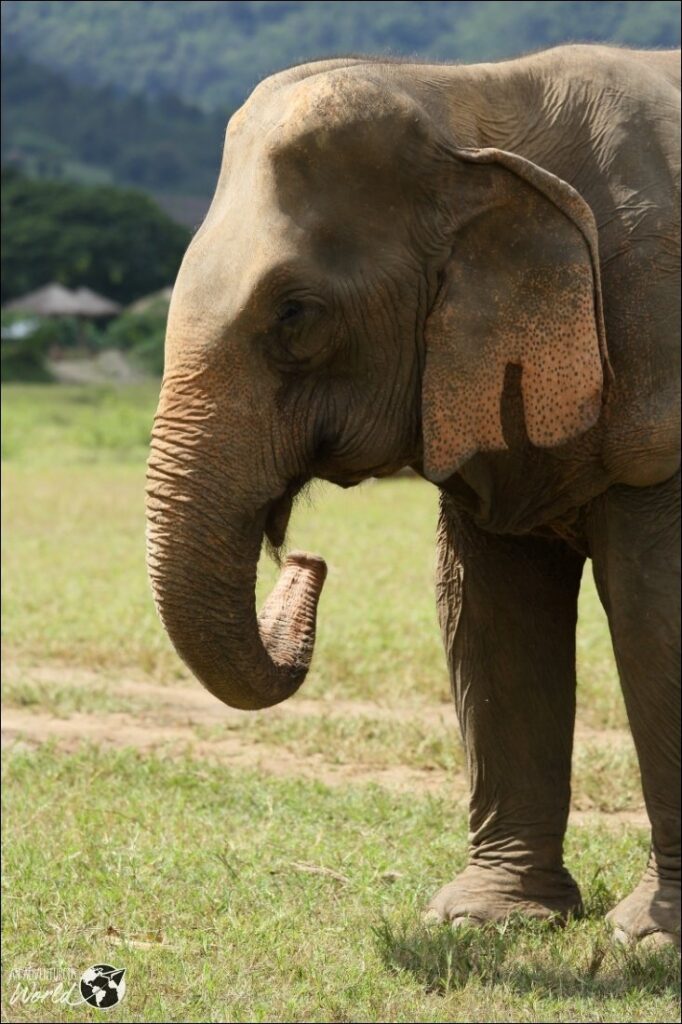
point(313, 563)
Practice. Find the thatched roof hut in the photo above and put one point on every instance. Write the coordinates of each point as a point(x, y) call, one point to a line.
point(92, 304)
point(56, 300)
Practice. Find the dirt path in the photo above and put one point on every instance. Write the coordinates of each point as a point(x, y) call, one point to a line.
point(194, 705)
point(120, 730)
point(174, 720)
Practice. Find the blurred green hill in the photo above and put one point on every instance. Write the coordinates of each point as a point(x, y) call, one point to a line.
point(95, 135)
point(104, 101)
point(138, 93)
point(213, 53)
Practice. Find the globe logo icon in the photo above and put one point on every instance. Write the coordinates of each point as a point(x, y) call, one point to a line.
point(103, 986)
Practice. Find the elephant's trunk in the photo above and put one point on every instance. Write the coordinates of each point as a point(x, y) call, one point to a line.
point(202, 562)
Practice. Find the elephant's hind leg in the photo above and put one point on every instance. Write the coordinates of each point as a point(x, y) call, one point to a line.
point(635, 546)
point(508, 609)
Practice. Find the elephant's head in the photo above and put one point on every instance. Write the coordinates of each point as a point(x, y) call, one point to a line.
point(349, 306)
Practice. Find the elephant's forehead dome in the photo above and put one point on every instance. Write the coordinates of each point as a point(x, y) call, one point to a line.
point(332, 102)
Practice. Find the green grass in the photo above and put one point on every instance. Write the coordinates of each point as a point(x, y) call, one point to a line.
point(63, 700)
point(201, 877)
point(356, 738)
point(45, 426)
point(196, 876)
point(76, 587)
point(605, 774)
point(606, 778)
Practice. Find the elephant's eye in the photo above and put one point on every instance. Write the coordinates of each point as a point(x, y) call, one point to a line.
point(290, 311)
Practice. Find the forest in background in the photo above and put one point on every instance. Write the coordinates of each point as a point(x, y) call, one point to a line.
point(113, 240)
point(105, 101)
point(138, 93)
point(54, 127)
point(213, 53)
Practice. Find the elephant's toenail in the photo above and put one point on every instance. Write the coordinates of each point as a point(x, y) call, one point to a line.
point(463, 922)
point(618, 935)
point(432, 917)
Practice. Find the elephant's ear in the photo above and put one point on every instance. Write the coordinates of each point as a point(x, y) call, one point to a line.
point(520, 286)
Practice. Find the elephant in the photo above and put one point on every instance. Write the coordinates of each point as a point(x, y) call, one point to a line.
point(471, 270)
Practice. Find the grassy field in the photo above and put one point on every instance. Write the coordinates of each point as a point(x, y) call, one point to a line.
point(270, 866)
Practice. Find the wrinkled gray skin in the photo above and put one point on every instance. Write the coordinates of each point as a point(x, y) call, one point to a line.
point(471, 270)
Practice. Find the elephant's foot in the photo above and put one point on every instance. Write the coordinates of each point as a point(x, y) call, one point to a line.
point(650, 915)
point(492, 893)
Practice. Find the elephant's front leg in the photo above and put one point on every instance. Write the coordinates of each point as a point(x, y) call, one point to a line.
point(634, 538)
point(508, 609)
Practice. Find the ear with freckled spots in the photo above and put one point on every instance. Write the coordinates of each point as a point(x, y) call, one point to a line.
point(520, 286)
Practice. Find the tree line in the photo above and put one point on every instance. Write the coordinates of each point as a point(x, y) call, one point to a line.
point(115, 241)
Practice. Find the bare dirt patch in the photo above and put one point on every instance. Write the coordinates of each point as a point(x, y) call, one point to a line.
point(119, 730)
point(180, 719)
point(195, 705)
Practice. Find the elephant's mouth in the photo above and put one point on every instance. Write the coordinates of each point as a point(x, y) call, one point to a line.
point(346, 480)
point(279, 513)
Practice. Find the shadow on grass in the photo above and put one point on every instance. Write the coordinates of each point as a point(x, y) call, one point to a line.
point(525, 956)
